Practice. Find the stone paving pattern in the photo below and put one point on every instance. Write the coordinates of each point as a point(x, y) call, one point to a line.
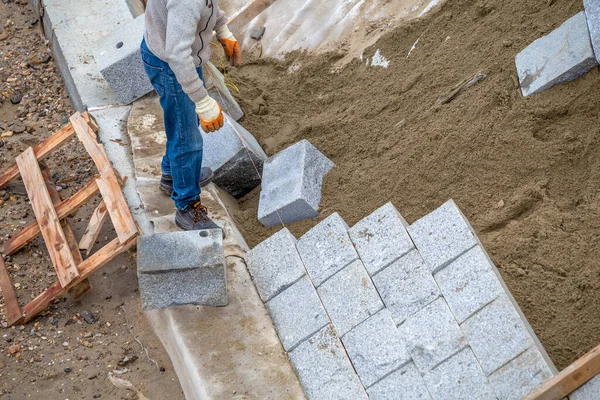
point(418, 312)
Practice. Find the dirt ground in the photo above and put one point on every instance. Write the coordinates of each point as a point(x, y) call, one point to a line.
point(61, 355)
point(525, 171)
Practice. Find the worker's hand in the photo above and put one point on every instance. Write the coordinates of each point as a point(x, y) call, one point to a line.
point(230, 44)
point(210, 114)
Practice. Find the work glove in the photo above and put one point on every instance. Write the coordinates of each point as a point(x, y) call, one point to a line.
point(210, 114)
point(230, 45)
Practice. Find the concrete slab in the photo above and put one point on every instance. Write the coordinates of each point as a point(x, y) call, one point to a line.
point(592, 15)
point(403, 384)
point(561, 56)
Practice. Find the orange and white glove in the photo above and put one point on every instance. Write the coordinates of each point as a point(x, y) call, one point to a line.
point(230, 45)
point(210, 114)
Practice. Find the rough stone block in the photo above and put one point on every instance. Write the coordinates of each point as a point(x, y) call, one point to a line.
point(235, 156)
point(432, 335)
point(217, 89)
point(179, 268)
point(592, 14)
point(561, 56)
point(469, 283)
point(291, 186)
point(275, 264)
point(118, 58)
point(442, 236)
point(381, 238)
point(297, 313)
point(404, 384)
point(376, 348)
point(496, 334)
point(520, 376)
point(324, 370)
point(589, 391)
point(459, 377)
point(350, 297)
point(406, 286)
point(326, 248)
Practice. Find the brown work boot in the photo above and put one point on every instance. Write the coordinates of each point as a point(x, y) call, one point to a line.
point(194, 217)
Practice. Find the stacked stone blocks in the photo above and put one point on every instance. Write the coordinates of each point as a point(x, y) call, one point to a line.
point(417, 312)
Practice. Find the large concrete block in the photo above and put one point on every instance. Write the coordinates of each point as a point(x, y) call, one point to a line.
point(381, 238)
point(376, 348)
point(406, 286)
point(326, 248)
point(350, 297)
point(561, 56)
point(217, 89)
point(235, 156)
point(324, 370)
point(442, 236)
point(179, 268)
point(592, 14)
point(520, 376)
point(458, 378)
point(297, 313)
point(118, 58)
point(291, 186)
point(275, 264)
point(589, 391)
point(469, 283)
point(432, 335)
point(404, 384)
point(496, 334)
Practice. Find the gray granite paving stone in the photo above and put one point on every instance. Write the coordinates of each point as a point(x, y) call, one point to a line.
point(119, 60)
point(561, 56)
point(297, 313)
point(442, 236)
point(218, 90)
point(326, 248)
point(469, 283)
point(520, 376)
point(291, 185)
point(324, 370)
point(589, 391)
point(592, 14)
point(432, 335)
point(179, 268)
point(406, 286)
point(459, 378)
point(404, 384)
point(375, 348)
point(496, 334)
point(381, 238)
point(350, 297)
point(275, 264)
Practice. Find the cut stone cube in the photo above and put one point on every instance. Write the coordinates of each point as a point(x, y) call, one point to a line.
point(404, 384)
point(589, 390)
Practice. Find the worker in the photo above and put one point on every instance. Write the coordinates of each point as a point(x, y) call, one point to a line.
point(177, 41)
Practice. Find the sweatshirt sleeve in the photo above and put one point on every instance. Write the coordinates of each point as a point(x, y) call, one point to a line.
point(221, 19)
point(182, 23)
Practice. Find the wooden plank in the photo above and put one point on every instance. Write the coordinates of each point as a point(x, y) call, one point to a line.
point(65, 208)
point(11, 303)
point(93, 229)
point(85, 286)
point(47, 218)
point(108, 184)
point(569, 379)
point(247, 13)
point(42, 150)
point(86, 268)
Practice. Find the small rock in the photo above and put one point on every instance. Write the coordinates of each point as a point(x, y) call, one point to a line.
point(16, 98)
point(87, 344)
point(6, 134)
point(14, 349)
point(3, 36)
point(128, 359)
point(97, 396)
point(46, 59)
point(68, 370)
point(66, 344)
point(88, 317)
point(1, 143)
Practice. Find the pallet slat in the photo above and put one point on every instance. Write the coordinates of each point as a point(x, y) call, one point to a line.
point(47, 218)
point(93, 229)
point(11, 303)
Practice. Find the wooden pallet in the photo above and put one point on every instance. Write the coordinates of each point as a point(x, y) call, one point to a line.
point(51, 214)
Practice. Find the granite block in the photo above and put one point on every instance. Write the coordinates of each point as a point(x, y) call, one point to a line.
point(381, 238)
point(404, 384)
point(326, 248)
point(406, 286)
point(442, 236)
point(592, 15)
point(297, 313)
point(324, 370)
point(588, 391)
point(350, 297)
point(275, 264)
point(217, 89)
point(376, 348)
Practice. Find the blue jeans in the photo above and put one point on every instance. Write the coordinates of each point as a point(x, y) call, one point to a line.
point(183, 157)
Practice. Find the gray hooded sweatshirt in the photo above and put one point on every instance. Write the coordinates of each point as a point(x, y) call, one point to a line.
point(179, 32)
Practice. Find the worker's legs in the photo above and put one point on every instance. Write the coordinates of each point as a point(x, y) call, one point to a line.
point(183, 158)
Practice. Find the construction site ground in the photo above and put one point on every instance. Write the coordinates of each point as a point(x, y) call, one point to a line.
point(62, 355)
